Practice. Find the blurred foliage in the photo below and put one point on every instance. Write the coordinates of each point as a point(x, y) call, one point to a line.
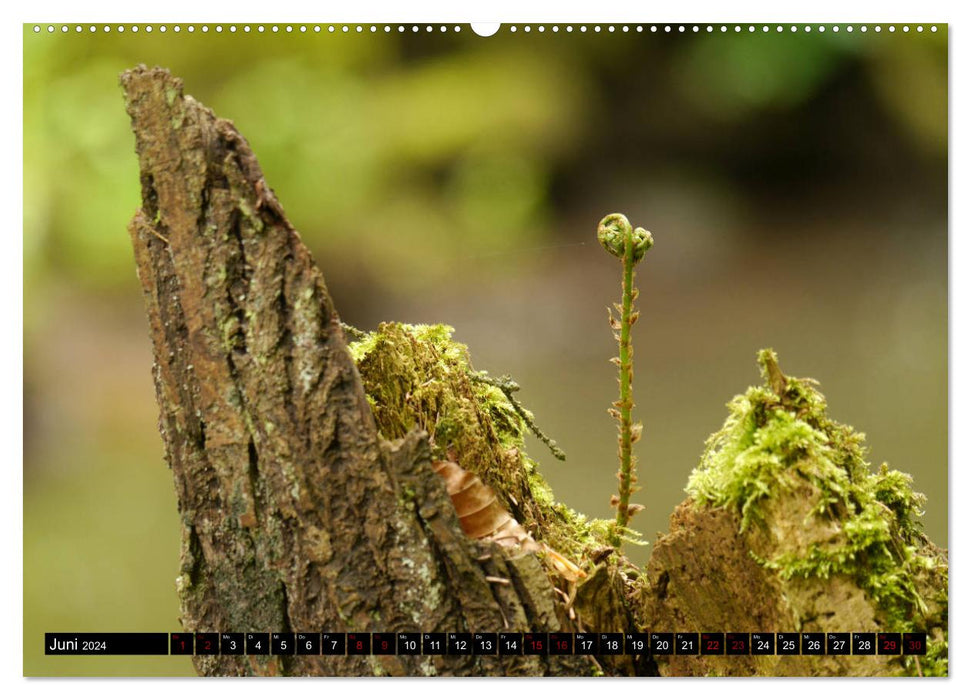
point(410, 150)
point(358, 145)
point(729, 76)
point(443, 177)
point(111, 577)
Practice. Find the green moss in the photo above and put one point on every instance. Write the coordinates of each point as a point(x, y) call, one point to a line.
point(933, 664)
point(778, 442)
point(542, 493)
point(418, 377)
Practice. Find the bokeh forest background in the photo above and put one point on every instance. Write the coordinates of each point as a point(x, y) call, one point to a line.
point(796, 185)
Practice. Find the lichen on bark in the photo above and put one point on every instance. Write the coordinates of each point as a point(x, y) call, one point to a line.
point(297, 514)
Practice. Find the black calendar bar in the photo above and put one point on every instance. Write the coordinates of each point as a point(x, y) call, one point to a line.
point(737, 644)
point(486, 643)
point(232, 643)
point(763, 644)
point(510, 643)
point(258, 643)
point(915, 643)
point(637, 643)
point(283, 643)
point(308, 643)
point(838, 643)
point(813, 643)
point(561, 643)
point(864, 643)
point(383, 644)
point(585, 643)
point(181, 644)
point(658, 644)
point(359, 643)
point(536, 643)
point(106, 643)
point(712, 643)
point(333, 643)
point(207, 643)
point(458, 643)
point(409, 643)
point(888, 643)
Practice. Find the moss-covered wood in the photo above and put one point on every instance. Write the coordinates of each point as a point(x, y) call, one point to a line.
point(787, 528)
point(417, 376)
point(308, 500)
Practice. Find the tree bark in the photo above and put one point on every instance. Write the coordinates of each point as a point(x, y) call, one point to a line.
point(296, 515)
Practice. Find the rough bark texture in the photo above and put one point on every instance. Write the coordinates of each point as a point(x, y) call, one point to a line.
point(703, 579)
point(296, 516)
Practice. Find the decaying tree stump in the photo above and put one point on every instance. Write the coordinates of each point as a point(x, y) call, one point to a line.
point(294, 511)
point(788, 529)
point(298, 516)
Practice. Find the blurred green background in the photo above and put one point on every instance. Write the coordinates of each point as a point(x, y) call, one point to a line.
point(796, 186)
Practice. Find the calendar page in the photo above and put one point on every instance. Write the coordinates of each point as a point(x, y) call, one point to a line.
point(418, 349)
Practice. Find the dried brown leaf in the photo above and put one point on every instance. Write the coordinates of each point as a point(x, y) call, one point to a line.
point(479, 512)
point(482, 517)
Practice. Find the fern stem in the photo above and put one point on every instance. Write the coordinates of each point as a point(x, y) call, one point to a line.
point(626, 403)
point(622, 241)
